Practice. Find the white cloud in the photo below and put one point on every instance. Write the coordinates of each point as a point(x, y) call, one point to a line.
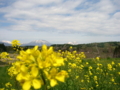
point(96, 18)
point(23, 5)
point(104, 6)
point(43, 2)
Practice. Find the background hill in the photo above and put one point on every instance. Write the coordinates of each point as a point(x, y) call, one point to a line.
point(92, 50)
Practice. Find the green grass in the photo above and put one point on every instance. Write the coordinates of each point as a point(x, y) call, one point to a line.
point(4, 77)
point(2, 63)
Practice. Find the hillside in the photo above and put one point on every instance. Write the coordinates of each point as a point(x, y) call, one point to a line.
point(91, 50)
point(103, 49)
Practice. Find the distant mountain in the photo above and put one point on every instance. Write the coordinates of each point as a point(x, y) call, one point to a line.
point(6, 43)
point(37, 42)
point(72, 43)
point(32, 43)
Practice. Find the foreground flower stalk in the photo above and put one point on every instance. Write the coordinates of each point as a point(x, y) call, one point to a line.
point(35, 68)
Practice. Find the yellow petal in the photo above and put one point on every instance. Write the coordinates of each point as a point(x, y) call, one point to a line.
point(34, 71)
point(60, 78)
point(23, 68)
point(31, 57)
point(53, 71)
point(22, 52)
point(26, 76)
point(53, 82)
point(60, 61)
point(19, 77)
point(35, 48)
point(26, 85)
point(40, 63)
point(36, 83)
point(28, 51)
point(46, 63)
point(50, 50)
point(44, 47)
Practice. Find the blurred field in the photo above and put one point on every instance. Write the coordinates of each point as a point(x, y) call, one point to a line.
point(81, 77)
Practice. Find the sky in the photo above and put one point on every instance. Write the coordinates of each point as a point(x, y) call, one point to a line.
point(60, 21)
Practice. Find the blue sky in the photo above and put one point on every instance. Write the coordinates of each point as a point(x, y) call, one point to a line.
point(60, 21)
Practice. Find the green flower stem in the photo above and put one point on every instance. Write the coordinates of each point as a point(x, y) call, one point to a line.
point(44, 81)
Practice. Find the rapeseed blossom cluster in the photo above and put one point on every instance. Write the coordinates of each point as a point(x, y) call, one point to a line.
point(8, 84)
point(34, 68)
point(4, 55)
point(15, 43)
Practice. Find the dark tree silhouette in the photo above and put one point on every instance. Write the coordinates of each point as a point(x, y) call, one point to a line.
point(2, 47)
point(116, 53)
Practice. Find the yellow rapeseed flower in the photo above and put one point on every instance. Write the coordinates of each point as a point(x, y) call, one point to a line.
point(113, 63)
point(87, 63)
point(35, 83)
point(8, 84)
point(90, 67)
point(15, 43)
point(113, 80)
point(97, 58)
point(90, 73)
point(69, 70)
point(119, 73)
point(30, 79)
point(76, 77)
point(82, 80)
point(95, 78)
point(70, 47)
point(55, 75)
point(4, 55)
point(109, 66)
point(118, 64)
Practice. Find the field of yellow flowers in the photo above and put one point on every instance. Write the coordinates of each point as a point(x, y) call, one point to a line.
point(46, 69)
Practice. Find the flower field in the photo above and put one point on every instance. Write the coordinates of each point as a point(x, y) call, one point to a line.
point(46, 69)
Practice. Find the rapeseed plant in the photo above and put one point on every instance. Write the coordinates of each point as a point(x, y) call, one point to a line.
point(15, 43)
point(4, 55)
point(98, 58)
point(109, 66)
point(35, 68)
